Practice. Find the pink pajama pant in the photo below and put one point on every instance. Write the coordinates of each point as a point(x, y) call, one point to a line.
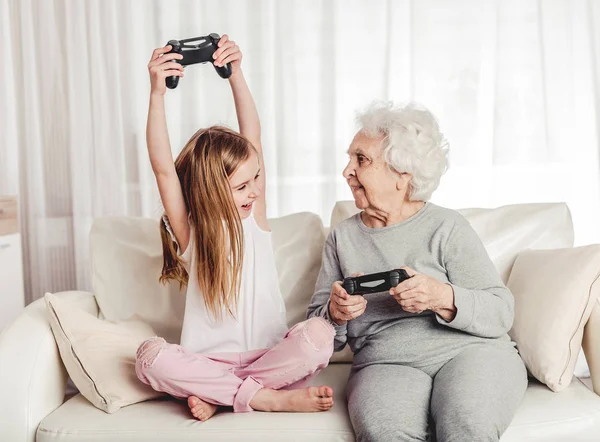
point(232, 379)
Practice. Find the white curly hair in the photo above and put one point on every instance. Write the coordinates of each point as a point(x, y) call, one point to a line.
point(412, 143)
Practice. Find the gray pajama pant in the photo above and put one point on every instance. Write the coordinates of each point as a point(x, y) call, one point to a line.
point(461, 388)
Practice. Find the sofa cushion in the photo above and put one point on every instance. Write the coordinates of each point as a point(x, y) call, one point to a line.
point(99, 355)
point(127, 261)
point(298, 242)
point(554, 291)
point(574, 414)
point(165, 420)
point(507, 230)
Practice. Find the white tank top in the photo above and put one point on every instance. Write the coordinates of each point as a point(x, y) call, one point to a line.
point(260, 320)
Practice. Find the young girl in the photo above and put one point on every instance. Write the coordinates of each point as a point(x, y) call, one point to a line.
point(235, 347)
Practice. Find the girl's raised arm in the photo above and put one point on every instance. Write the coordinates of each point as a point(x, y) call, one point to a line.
point(161, 66)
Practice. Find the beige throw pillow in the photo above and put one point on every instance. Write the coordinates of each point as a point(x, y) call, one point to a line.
point(99, 355)
point(298, 242)
point(555, 291)
point(126, 257)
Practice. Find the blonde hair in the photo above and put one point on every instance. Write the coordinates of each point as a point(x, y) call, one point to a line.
point(204, 166)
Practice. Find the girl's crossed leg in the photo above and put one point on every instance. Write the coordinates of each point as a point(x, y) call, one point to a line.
point(267, 380)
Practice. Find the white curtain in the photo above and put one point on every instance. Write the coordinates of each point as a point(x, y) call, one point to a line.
point(515, 85)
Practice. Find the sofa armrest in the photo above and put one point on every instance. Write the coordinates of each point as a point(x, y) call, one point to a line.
point(591, 346)
point(32, 376)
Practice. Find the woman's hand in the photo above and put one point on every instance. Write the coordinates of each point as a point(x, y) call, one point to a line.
point(344, 307)
point(421, 292)
point(162, 65)
point(228, 52)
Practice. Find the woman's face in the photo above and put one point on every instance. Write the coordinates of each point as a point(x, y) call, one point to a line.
point(374, 185)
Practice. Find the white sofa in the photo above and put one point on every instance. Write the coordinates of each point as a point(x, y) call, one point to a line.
point(33, 378)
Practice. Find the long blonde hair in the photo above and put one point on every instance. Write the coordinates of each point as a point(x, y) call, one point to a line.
point(204, 166)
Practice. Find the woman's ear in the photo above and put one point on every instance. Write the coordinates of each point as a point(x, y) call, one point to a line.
point(403, 181)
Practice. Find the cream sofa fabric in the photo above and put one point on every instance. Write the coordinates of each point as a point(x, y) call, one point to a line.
point(555, 291)
point(591, 332)
point(298, 241)
point(99, 355)
point(126, 258)
point(34, 381)
point(544, 416)
point(507, 230)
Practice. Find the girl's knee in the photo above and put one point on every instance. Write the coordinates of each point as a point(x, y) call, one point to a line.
point(319, 334)
point(147, 352)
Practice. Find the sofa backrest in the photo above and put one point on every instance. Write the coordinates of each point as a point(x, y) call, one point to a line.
point(127, 257)
point(506, 230)
point(126, 262)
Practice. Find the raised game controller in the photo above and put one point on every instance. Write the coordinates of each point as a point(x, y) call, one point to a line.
point(360, 285)
point(201, 52)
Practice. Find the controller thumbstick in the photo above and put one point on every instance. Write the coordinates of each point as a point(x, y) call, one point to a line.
point(175, 45)
point(348, 285)
point(172, 81)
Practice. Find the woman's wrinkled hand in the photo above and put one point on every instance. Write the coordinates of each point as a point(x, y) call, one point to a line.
point(421, 292)
point(344, 307)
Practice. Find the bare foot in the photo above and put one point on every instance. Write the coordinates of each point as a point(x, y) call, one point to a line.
point(309, 399)
point(201, 410)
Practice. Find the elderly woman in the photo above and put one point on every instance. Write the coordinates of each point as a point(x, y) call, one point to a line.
point(435, 346)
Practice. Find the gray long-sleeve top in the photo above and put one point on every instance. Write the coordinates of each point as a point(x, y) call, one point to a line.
point(435, 241)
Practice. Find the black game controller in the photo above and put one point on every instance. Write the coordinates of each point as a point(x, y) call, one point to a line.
point(360, 285)
point(200, 52)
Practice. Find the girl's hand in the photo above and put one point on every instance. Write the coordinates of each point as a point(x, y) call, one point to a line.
point(421, 292)
point(161, 65)
point(228, 52)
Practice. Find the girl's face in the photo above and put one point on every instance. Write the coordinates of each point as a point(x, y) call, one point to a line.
point(244, 185)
